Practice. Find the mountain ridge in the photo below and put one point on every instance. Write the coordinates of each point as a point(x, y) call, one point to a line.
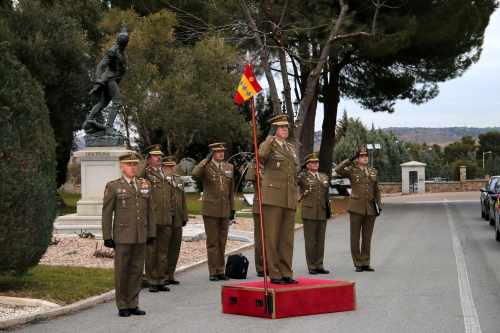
point(441, 136)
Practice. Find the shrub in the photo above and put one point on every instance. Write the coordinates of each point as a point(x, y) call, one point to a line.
point(27, 168)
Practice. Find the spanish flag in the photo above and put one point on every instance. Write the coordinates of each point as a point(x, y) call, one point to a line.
point(248, 86)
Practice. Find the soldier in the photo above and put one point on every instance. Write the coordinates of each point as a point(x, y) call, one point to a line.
point(315, 211)
point(362, 209)
point(157, 251)
point(132, 227)
point(250, 177)
point(217, 206)
point(178, 210)
point(279, 195)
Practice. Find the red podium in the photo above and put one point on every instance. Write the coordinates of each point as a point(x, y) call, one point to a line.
point(310, 296)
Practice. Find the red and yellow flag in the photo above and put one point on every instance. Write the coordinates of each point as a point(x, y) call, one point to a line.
point(248, 86)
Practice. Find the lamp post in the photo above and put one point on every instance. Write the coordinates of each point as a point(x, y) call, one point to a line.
point(296, 107)
point(484, 153)
point(283, 102)
point(372, 147)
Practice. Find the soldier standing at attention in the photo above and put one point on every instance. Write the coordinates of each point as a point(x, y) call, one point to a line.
point(179, 212)
point(362, 211)
point(279, 195)
point(128, 232)
point(315, 212)
point(217, 206)
point(250, 177)
point(157, 251)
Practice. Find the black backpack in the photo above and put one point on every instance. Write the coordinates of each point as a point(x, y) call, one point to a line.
point(237, 266)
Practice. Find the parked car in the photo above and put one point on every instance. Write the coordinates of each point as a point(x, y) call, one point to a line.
point(493, 203)
point(486, 192)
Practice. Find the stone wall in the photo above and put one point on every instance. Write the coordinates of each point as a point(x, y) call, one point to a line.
point(468, 185)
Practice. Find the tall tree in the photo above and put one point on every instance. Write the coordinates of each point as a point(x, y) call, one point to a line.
point(489, 141)
point(51, 43)
point(414, 46)
point(178, 95)
point(460, 149)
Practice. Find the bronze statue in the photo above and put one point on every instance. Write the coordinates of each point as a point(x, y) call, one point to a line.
point(106, 85)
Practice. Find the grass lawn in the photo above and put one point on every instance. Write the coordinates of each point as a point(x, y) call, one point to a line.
point(59, 284)
point(70, 199)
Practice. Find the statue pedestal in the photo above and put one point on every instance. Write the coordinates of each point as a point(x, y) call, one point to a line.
point(99, 165)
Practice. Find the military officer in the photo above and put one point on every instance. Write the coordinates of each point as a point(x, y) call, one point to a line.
point(128, 232)
point(217, 206)
point(250, 177)
point(157, 251)
point(178, 210)
point(279, 195)
point(315, 211)
point(362, 209)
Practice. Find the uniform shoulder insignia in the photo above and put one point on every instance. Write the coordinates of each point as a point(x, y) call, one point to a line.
point(114, 180)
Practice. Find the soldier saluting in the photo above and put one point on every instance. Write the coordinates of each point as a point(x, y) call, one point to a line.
point(363, 204)
point(279, 195)
point(217, 206)
point(315, 212)
point(128, 232)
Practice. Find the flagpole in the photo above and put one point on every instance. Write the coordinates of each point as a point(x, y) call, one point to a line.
point(268, 297)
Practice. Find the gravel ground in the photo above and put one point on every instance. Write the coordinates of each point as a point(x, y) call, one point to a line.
point(10, 311)
point(76, 251)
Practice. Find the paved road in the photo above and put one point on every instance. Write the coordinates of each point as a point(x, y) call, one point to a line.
point(436, 270)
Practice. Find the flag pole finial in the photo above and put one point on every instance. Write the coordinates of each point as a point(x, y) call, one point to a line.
point(248, 58)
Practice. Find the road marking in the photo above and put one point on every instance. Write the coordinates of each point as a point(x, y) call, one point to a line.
point(469, 310)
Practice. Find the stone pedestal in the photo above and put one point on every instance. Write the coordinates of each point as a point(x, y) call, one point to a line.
point(99, 165)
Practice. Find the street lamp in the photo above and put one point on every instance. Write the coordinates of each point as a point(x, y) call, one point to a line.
point(372, 147)
point(484, 153)
point(296, 106)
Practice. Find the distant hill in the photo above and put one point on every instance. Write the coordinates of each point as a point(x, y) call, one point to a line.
point(442, 136)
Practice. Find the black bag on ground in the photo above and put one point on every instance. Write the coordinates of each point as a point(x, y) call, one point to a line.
point(237, 266)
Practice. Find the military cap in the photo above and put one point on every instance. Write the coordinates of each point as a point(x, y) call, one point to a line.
point(169, 160)
point(217, 146)
point(282, 119)
point(312, 158)
point(154, 150)
point(129, 158)
point(362, 151)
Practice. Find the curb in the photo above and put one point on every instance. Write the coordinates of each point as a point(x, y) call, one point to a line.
point(60, 311)
point(96, 300)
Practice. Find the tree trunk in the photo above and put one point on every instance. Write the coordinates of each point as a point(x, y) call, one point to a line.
point(331, 104)
point(307, 136)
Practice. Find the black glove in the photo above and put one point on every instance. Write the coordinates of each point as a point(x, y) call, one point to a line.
point(109, 243)
point(353, 157)
point(303, 165)
point(328, 210)
point(173, 220)
point(150, 240)
point(184, 223)
point(209, 156)
point(272, 130)
point(231, 216)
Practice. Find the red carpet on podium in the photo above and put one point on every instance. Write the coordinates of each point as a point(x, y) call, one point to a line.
point(310, 296)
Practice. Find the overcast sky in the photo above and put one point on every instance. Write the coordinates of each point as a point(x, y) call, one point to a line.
point(472, 100)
